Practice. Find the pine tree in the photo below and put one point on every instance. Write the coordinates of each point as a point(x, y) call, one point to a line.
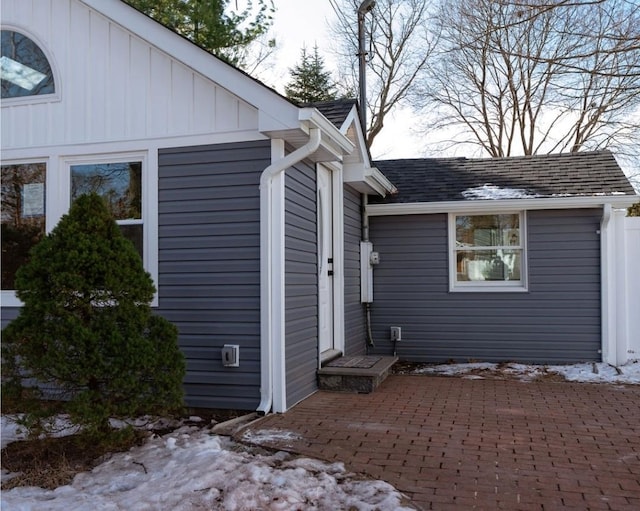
point(212, 25)
point(86, 335)
point(310, 82)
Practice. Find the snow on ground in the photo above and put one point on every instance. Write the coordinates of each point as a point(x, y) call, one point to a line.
point(192, 469)
point(594, 373)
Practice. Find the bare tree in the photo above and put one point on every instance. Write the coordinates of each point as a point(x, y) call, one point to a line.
point(528, 76)
point(399, 44)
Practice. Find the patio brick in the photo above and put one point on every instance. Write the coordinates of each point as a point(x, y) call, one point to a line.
point(453, 443)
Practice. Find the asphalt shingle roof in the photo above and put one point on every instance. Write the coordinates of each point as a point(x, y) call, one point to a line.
point(539, 176)
point(336, 111)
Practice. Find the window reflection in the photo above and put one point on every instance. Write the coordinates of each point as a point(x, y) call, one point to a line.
point(488, 248)
point(24, 69)
point(120, 184)
point(23, 215)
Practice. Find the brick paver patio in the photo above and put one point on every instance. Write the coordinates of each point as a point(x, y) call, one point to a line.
point(455, 443)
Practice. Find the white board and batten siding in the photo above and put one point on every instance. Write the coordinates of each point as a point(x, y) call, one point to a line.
point(111, 84)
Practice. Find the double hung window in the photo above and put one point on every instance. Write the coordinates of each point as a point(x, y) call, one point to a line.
point(487, 252)
point(23, 215)
point(36, 193)
point(120, 185)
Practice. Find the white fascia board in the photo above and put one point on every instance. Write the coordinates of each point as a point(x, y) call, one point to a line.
point(367, 179)
point(333, 138)
point(275, 112)
point(481, 206)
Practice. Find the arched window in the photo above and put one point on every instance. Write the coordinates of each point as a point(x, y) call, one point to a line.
point(24, 68)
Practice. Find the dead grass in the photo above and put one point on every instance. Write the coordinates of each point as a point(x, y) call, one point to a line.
point(52, 462)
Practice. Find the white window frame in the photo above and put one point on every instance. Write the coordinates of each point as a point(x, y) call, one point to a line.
point(8, 296)
point(58, 200)
point(54, 96)
point(502, 286)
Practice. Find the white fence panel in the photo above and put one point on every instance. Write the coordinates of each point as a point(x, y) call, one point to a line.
point(632, 245)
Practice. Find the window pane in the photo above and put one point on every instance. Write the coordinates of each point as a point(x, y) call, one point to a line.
point(24, 69)
point(491, 265)
point(134, 233)
point(488, 230)
point(120, 184)
point(23, 215)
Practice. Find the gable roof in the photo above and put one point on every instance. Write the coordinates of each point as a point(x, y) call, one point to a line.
point(526, 177)
point(336, 111)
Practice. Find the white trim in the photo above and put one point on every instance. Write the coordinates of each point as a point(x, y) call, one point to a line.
point(498, 206)
point(614, 286)
point(488, 286)
point(366, 179)
point(607, 290)
point(332, 137)
point(58, 190)
point(8, 297)
point(338, 261)
point(53, 97)
point(621, 266)
point(149, 220)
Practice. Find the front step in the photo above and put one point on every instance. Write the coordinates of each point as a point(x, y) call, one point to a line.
point(361, 374)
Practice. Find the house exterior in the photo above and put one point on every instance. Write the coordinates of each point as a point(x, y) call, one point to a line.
point(245, 207)
point(260, 220)
point(510, 259)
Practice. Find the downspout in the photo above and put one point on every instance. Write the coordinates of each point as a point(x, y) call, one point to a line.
point(606, 291)
point(267, 245)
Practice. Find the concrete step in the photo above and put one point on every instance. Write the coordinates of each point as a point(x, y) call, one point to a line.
point(361, 374)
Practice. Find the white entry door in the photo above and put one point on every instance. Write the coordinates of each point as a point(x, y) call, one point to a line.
point(325, 260)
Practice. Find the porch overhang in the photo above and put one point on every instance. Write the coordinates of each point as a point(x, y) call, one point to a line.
point(367, 180)
point(334, 145)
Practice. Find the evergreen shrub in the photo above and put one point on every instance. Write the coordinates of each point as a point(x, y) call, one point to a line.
point(86, 336)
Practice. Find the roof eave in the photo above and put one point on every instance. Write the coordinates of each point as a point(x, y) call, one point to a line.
point(499, 205)
point(367, 180)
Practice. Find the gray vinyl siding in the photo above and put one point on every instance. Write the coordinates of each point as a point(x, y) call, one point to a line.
point(8, 314)
point(209, 265)
point(354, 320)
point(301, 283)
point(556, 321)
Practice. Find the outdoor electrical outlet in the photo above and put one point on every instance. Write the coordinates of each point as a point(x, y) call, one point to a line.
point(396, 333)
point(231, 355)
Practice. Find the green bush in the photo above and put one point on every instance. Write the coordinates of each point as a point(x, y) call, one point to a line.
point(86, 336)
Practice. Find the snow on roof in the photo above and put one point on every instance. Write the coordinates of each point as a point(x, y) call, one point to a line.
point(489, 191)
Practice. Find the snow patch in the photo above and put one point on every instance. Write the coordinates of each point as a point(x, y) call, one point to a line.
point(589, 372)
point(267, 436)
point(192, 469)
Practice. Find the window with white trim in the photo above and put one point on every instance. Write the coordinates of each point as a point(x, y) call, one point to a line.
point(23, 215)
point(487, 252)
point(24, 68)
point(120, 185)
point(35, 194)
